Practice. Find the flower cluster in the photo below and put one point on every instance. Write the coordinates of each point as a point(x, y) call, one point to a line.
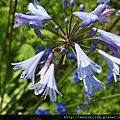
point(70, 39)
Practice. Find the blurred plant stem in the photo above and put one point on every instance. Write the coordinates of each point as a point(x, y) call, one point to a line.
point(5, 50)
point(98, 99)
point(113, 24)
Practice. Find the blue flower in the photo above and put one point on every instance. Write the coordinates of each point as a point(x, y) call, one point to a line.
point(112, 63)
point(72, 57)
point(118, 13)
point(99, 14)
point(47, 85)
point(88, 18)
point(29, 66)
point(103, 1)
point(42, 112)
point(112, 41)
point(37, 14)
point(85, 64)
point(61, 108)
point(91, 83)
point(75, 77)
point(79, 109)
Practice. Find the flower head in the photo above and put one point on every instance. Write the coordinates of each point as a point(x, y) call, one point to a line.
point(47, 85)
point(29, 66)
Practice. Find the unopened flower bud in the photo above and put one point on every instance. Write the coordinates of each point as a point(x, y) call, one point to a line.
point(56, 27)
point(92, 32)
point(63, 50)
point(72, 3)
point(64, 4)
point(82, 7)
point(95, 42)
point(92, 49)
point(66, 21)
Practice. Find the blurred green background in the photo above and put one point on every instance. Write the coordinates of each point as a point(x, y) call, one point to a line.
point(20, 43)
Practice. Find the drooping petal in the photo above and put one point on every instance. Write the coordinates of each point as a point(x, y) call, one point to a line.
point(47, 85)
point(109, 37)
point(91, 83)
point(38, 33)
point(29, 66)
point(111, 61)
point(35, 25)
point(81, 56)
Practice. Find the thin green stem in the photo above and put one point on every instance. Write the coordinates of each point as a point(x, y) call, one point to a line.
point(113, 24)
point(53, 31)
point(59, 26)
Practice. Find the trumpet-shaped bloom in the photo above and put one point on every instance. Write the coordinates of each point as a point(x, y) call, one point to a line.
point(88, 18)
point(99, 14)
point(47, 85)
point(29, 66)
point(37, 14)
point(85, 64)
point(103, 1)
point(118, 13)
point(112, 40)
point(112, 63)
point(91, 83)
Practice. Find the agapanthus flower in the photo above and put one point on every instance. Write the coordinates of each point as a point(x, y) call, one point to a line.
point(29, 66)
point(85, 64)
point(111, 40)
point(61, 108)
point(91, 84)
point(37, 14)
point(72, 45)
point(112, 63)
point(47, 85)
point(118, 13)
